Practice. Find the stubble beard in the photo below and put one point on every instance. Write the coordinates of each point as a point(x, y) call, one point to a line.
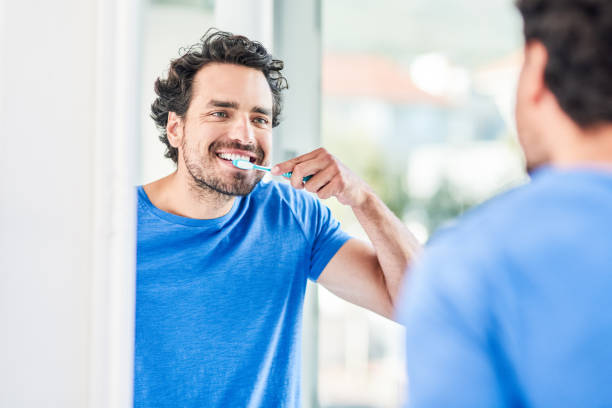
point(209, 183)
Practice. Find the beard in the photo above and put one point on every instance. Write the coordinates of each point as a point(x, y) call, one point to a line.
point(208, 178)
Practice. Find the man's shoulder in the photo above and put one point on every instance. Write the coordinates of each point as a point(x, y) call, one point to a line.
point(272, 191)
point(481, 234)
point(488, 219)
point(283, 203)
point(551, 195)
point(463, 259)
point(539, 213)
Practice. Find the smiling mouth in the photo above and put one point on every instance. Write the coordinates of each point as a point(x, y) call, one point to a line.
point(232, 156)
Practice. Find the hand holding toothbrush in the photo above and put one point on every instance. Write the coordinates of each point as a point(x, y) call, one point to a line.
point(329, 177)
point(367, 274)
point(247, 165)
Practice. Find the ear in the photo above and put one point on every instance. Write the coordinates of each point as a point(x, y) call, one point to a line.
point(174, 129)
point(536, 58)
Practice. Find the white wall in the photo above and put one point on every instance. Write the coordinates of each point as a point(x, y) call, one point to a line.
point(297, 41)
point(166, 29)
point(66, 208)
point(251, 18)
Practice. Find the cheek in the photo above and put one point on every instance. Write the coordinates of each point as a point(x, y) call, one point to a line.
point(265, 142)
point(523, 130)
point(519, 117)
point(521, 112)
point(194, 147)
point(200, 142)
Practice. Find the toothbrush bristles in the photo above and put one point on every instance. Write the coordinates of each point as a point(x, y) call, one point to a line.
point(242, 164)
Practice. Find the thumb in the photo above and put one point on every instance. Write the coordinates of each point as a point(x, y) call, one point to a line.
point(284, 167)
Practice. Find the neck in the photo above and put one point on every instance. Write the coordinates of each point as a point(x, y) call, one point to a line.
point(591, 147)
point(179, 194)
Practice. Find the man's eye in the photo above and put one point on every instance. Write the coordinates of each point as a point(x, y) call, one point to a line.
point(219, 114)
point(261, 121)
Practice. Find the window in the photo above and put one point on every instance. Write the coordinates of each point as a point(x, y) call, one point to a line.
point(418, 100)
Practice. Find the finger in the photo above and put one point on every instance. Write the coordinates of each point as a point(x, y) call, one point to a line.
point(321, 178)
point(329, 190)
point(288, 165)
point(304, 169)
point(312, 167)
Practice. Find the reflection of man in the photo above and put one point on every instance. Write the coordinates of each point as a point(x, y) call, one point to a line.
point(512, 306)
point(223, 259)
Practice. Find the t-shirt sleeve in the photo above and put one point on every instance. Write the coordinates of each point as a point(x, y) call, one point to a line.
point(450, 353)
point(327, 239)
point(322, 230)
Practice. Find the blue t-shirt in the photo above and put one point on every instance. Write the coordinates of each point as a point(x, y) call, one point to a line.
point(219, 302)
point(511, 307)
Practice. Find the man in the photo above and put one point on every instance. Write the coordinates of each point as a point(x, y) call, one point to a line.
point(223, 259)
point(511, 307)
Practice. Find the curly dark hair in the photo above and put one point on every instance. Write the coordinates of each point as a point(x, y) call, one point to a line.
point(578, 37)
point(174, 92)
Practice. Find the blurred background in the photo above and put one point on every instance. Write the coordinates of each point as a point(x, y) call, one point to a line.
point(415, 96)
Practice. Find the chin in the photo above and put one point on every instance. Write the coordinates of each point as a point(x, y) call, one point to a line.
point(237, 185)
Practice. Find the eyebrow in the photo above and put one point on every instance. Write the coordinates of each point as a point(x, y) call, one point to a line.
point(234, 105)
point(223, 104)
point(263, 111)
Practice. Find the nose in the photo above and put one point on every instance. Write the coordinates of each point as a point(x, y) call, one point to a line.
point(242, 130)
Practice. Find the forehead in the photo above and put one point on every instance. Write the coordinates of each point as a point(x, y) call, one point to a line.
point(233, 83)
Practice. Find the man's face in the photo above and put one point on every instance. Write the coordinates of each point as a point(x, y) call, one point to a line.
point(229, 117)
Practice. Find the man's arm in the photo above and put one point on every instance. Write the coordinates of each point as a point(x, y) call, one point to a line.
point(364, 275)
point(453, 354)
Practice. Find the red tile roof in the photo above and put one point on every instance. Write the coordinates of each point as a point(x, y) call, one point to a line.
point(372, 77)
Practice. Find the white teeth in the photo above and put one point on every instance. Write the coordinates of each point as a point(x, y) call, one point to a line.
point(232, 156)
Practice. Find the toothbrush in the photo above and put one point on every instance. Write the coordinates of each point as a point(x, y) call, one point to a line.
point(247, 165)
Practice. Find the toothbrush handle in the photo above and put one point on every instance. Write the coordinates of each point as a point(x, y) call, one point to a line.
point(305, 179)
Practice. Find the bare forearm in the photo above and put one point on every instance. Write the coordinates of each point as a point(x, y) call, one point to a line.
point(369, 277)
point(395, 246)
